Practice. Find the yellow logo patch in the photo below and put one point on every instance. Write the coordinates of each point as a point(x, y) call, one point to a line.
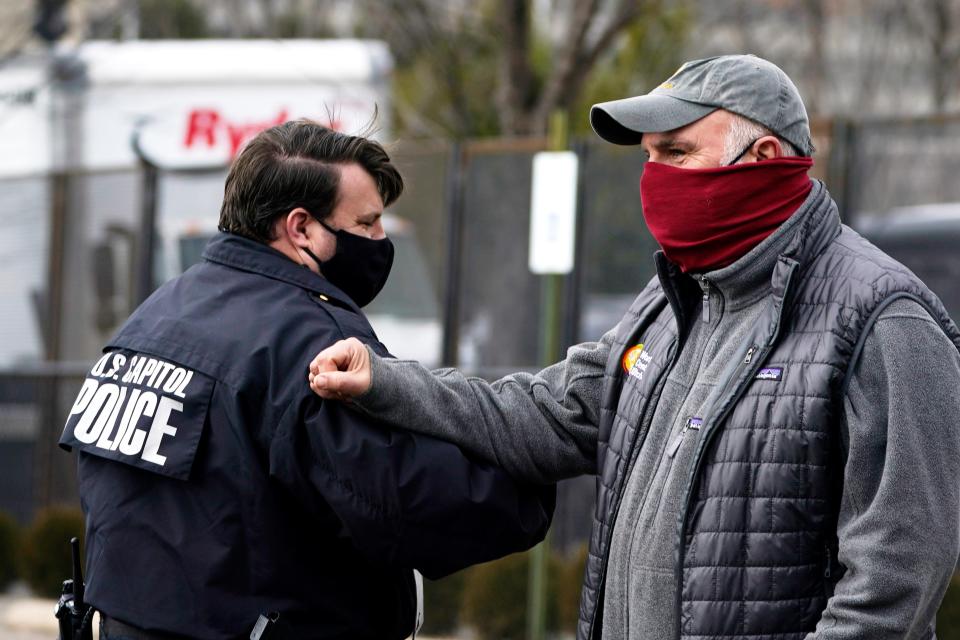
point(668, 84)
point(631, 356)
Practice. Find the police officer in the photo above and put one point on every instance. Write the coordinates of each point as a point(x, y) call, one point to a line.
point(217, 488)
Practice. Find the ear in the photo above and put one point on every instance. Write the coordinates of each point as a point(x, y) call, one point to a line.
point(296, 226)
point(767, 147)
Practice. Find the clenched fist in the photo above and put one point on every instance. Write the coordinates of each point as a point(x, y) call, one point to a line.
point(341, 371)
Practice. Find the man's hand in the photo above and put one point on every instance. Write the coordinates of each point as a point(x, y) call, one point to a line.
point(341, 371)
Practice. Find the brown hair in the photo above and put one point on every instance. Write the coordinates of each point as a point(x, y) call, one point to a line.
point(295, 164)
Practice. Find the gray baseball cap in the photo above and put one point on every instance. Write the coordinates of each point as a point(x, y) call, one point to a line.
point(744, 84)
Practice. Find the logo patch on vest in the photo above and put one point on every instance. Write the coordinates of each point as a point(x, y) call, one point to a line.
point(635, 361)
point(770, 373)
point(142, 411)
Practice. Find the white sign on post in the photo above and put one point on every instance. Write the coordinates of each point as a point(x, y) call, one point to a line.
point(553, 212)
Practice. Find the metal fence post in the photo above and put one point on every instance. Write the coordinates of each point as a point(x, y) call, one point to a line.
point(451, 289)
point(68, 78)
point(53, 328)
point(148, 223)
point(840, 167)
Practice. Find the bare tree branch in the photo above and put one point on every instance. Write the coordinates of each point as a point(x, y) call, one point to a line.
point(945, 54)
point(816, 67)
point(515, 72)
point(414, 27)
point(628, 11)
point(569, 77)
point(465, 55)
point(569, 67)
point(935, 21)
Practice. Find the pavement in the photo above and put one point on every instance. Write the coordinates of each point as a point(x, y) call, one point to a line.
point(23, 617)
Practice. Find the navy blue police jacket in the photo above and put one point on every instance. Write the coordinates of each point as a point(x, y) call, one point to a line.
point(217, 486)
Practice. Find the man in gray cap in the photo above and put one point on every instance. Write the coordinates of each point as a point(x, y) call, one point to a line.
point(774, 421)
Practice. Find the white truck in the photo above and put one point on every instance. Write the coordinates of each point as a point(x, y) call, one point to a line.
point(192, 105)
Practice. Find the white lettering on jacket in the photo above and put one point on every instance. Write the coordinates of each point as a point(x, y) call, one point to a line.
point(110, 409)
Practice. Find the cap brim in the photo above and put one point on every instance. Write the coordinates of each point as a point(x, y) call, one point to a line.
point(625, 121)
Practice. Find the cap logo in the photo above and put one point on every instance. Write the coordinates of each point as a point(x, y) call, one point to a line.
point(668, 84)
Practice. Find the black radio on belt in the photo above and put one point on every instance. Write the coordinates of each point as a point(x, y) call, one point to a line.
point(75, 617)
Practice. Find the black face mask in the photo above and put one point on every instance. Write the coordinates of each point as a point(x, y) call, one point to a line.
point(360, 266)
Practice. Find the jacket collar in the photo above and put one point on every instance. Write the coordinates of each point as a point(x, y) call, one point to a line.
point(819, 226)
point(249, 255)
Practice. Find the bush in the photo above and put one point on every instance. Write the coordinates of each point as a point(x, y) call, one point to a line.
point(46, 561)
point(948, 618)
point(9, 550)
point(495, 597)
point(442, 599)
point(569, 583)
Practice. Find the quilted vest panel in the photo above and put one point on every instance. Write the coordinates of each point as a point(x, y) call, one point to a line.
point(757, 542)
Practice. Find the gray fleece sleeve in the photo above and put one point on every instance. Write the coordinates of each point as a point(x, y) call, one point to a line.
point(539, 427)
point(898, 525)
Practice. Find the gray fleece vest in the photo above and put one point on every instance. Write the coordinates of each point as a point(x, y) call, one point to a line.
point(756, 539)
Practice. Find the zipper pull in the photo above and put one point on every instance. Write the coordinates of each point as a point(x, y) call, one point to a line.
point(705, 286)
point(675, 445)
point(693, 423)
point(752, 350)
point(829, 569)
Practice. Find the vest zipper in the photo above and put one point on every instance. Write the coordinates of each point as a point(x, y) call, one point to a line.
point(705, 287)
point(675, 445)
point(698, 455)
point(715, 421)
point(634, 450)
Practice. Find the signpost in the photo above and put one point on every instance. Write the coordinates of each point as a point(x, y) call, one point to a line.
point(553, 205)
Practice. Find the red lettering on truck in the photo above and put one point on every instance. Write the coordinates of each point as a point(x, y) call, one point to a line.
point(209, 127)
point(202, 123)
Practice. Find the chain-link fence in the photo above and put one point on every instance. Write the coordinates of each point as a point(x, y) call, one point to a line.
point(75, 258)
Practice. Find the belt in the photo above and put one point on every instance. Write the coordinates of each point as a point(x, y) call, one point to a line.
point(117, 630)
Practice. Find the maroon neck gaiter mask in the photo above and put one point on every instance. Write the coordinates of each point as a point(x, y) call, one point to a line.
point(705, 219)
